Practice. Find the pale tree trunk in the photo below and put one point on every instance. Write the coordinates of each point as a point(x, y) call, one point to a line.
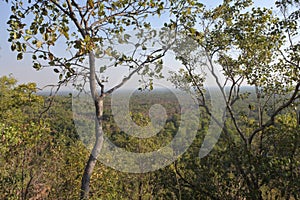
point(98, 100)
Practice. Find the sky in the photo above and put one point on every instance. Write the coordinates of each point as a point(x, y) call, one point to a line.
point(22, 69)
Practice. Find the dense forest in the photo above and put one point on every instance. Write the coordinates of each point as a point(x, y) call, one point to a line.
point(43, 156)
point(237, 137)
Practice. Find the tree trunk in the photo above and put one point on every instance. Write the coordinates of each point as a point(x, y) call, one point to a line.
point(98, 100)
point(89, 167)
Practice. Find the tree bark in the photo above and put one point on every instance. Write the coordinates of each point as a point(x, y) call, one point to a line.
point(98, 102)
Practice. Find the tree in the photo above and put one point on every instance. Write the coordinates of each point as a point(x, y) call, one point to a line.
point(249, 46)
point(17, 149)
point(88, 29)
point(36, 151)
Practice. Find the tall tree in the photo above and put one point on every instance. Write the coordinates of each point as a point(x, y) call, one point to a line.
point(252, 46)
point(88, 30)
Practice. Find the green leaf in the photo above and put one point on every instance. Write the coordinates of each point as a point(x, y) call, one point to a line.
point(151, 86)
point(126, 37)
point(27, 37)
point(108, 51)
point(39, 44)
point(13, 47)
point(37, 66)
point(102, 69)
point(20, 56)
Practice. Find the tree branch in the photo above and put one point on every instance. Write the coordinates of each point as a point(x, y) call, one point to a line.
point(271, 121)
point(140, 66)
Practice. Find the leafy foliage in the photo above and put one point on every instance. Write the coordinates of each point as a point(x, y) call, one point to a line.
point(257, 156)
point(34, 153)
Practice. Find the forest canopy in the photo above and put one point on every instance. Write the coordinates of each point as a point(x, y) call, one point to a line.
point(246, 143)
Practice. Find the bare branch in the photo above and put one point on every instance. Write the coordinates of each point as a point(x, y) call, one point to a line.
point(229, 108)
point(140, 66)
point(271, 121)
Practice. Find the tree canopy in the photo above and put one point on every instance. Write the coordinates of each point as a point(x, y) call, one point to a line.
point(233, 44)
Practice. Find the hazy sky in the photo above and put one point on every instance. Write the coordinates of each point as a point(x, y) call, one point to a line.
point(23, 71)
